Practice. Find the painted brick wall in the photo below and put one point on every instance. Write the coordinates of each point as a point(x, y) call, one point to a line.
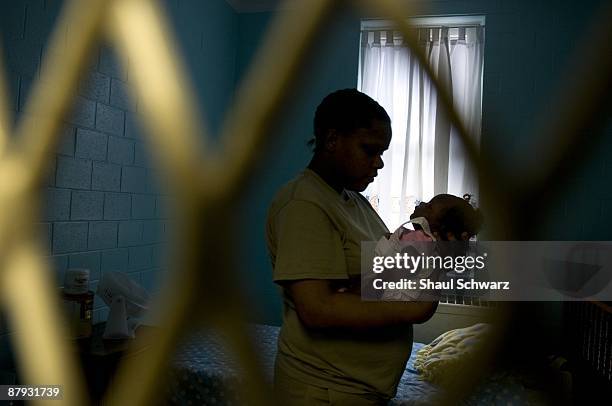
point(96, 189)
point(102, 207)
point(103, 210)
point(101, 185)
point(528, 44)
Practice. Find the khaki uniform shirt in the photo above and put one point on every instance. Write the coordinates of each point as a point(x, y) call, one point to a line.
point(313, 232)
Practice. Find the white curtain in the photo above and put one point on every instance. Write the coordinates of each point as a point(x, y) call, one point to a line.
point(425, 157)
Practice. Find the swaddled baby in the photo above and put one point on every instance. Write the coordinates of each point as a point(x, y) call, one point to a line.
point(444, 218)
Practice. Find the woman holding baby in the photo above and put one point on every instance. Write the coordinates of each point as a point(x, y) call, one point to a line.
point(333, 347)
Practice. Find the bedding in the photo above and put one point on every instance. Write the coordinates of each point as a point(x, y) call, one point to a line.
point(450, 353)
point(204, 374)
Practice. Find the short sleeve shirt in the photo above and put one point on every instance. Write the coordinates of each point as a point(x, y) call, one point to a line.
point(314, 232)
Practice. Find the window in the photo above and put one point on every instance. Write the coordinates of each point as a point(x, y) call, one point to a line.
point(425, 157)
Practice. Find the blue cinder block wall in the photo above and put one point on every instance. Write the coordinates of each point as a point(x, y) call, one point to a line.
point(103, 209)
point(528, 45)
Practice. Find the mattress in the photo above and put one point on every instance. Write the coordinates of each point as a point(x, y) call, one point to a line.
point(203, 373)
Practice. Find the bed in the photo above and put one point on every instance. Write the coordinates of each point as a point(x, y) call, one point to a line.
point(204, 374)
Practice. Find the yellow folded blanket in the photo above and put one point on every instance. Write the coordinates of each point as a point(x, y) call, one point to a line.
point(451, 354)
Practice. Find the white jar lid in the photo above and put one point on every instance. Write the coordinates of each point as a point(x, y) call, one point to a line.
point(76, 281)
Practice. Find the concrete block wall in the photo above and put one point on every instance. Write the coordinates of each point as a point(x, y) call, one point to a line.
point(103, 209)
point(528, 45)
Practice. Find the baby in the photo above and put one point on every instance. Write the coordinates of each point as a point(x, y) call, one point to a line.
point(444, 218)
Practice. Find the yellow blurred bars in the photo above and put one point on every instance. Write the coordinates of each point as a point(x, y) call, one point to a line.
point(204, 179)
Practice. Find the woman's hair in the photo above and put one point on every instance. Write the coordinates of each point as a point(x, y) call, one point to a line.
point(345, 111)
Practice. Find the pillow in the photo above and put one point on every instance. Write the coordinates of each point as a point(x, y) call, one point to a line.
point(451, 354)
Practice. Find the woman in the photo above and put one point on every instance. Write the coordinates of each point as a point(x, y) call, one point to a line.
point(334, 348)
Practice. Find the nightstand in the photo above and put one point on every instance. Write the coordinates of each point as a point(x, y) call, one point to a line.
point(100, 358)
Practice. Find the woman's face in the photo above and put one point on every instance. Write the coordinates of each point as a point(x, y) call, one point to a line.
point(358, 155)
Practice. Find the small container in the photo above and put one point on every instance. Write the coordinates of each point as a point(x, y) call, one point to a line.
point(78, 302)
point(76, 281)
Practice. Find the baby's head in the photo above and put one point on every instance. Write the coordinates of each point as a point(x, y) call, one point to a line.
point(450, 217)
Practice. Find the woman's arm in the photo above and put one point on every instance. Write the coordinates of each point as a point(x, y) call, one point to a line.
point(319, 306)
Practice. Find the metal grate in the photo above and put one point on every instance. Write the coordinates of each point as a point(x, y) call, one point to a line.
point(206, 181)
point(589, 335)
point(466, 300)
